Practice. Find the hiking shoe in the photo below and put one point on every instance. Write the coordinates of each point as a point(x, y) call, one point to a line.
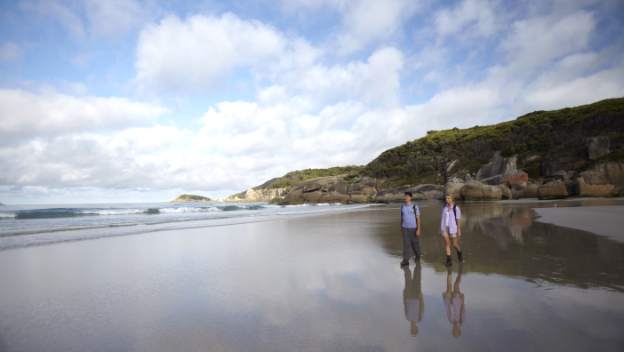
point(449, 262)
point(404, 263)
point(460, 257)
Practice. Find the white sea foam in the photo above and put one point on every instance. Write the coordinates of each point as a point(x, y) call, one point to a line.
point(189, 209)
point(113, 211)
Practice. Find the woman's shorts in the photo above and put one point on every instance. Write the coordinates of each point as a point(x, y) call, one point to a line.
point(445, 232)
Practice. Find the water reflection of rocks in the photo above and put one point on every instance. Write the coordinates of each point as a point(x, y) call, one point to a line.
point(505, 239)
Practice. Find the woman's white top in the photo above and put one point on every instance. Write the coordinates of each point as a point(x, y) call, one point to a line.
point(449, 219)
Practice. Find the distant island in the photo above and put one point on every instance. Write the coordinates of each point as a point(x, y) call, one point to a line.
point(186, 198)
point(544, 154)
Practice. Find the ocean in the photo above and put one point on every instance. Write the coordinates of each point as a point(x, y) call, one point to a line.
point(25, 225)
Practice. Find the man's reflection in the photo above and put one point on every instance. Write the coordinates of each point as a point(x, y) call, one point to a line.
point(454, 301)
point(413, 298)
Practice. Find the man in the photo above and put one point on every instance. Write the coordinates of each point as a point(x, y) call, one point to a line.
point(410, 228)
point(450, 229)
point(413, 301)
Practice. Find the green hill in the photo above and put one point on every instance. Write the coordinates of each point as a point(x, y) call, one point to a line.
point(184, 198)
point(294, 177)
point(546, 154)
point(542, 141)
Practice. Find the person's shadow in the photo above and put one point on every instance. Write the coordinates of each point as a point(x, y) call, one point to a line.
point(454, 301)
point(413, 298)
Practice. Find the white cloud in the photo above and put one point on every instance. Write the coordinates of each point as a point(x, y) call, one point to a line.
point(538, 40)
point(239, 143)
point(24, 114)
point(363, 22)
point(476, 17)
point(10, 51)
point(604, 84)
point(375, 81)
point(369, 21)
point(459, 107)
point(194, 53)
point(311, 107)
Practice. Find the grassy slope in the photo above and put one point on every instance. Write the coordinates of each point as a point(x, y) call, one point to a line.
point(295, 177)
point(192, 198)
point(558, 137)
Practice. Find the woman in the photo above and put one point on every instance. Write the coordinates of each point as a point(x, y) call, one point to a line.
point(451, 229)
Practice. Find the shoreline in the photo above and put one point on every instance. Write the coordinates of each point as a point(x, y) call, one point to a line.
point(598, 219)
point(66, 235)
point(577, 216)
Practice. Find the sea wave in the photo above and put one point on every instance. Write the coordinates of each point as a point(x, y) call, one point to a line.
point(49, 213)
point(7, 216)
point(21, 233)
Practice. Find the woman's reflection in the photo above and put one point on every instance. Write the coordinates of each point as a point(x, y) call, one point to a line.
point(413, 298)
point(454, 301)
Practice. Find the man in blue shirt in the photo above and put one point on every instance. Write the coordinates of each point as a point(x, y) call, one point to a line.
point(410, 228)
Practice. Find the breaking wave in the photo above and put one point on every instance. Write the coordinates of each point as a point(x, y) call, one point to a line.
point(50, 213)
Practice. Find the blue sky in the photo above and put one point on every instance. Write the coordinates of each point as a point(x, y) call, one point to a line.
point(129, 100)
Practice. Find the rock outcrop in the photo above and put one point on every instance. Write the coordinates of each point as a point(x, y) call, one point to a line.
point(348, 189)
point(605, 173)
point(505, 192)
point(258, 194)
point(498, 169)
point(552, 190)
point(453, 188)
point(589, 190)
point(527, 191)
point(187, 198)
point(475, 190)
point(331, 189)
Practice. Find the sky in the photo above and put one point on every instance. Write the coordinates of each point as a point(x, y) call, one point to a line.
point(138, 101)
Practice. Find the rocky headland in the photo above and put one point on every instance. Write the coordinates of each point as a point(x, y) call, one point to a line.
point(572, 152)
point(190, 198)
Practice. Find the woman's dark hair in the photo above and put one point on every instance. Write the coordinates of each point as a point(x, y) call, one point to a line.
point(409, 194)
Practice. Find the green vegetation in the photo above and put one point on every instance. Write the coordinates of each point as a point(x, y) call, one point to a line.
point(295, 177)
point(191, 198)
point(542, 140)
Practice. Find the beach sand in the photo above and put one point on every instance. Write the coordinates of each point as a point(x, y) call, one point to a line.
point(601, 220)
point(318, 283)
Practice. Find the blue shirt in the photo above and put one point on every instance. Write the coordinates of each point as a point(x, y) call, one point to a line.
point(409, 212)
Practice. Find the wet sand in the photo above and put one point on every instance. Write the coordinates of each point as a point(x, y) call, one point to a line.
point(319, 283)
point(601, 220)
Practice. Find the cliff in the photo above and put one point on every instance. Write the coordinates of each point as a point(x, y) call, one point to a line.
point(546, 154)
